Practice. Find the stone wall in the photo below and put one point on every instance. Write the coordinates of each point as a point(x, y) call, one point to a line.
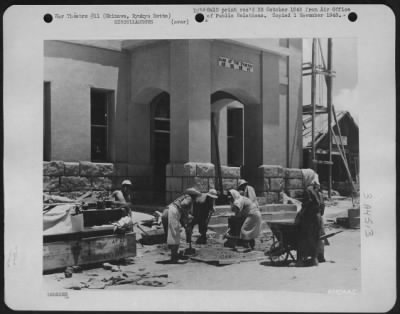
point(272, 179)
point(68, 177)
point(200, 175)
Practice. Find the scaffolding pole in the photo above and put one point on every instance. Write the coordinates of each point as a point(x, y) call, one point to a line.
point(329, 82)
point(313, 99)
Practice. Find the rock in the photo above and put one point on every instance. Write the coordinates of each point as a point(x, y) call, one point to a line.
point(53, 168)
point(205, 170)
point(76, 269)
point(92, 274)
point(115, 268)
point(68, 272)
point(230, 172)
point(91, 169)
point(96, 285)
point(74, 183)
point(71, 168)
point(107, 266)
point(141, 269)
point(294, 184)
point(158, 282)
point(270, 171)
point(51, 183)
point(101, 183)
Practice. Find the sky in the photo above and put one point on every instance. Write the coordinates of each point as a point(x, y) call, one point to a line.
point(345, 83)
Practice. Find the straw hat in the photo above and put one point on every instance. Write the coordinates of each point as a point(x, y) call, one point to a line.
point(192, 192)
point(212, 193)
point(126, 182)
point(242, 182)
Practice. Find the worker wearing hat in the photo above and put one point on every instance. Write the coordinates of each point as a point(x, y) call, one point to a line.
point(125, 194)
point(203, 208)
point(247, 190)
point(178, 213)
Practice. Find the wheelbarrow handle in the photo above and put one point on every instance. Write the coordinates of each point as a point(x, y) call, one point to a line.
point(326, 236)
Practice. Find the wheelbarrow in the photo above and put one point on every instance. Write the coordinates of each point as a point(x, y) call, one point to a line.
point(285, 241)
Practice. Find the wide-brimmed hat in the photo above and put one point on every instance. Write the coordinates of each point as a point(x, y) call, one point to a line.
point(192, 192)
point(126, 182)
point(212, 193)
point(242, 182)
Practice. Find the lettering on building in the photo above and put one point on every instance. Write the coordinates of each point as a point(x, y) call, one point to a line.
point(235, 65)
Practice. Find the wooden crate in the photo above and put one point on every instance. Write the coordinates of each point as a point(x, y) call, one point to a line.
point(87, 250)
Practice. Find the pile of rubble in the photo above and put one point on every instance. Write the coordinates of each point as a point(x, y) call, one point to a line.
point(93, 280)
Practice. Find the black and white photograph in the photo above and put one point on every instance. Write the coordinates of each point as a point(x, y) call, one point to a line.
point(220, 164)
point(165, 160)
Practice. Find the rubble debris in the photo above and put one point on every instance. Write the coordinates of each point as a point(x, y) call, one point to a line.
point(154, 282)
point(115, 268)
point(107, 266)
point(96, 285)
point(68, 272)
point(77, 269)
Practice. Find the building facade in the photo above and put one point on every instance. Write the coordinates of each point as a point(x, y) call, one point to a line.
point(165, 112)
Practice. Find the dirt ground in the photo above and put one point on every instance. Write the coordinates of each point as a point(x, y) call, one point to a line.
point(341, 271)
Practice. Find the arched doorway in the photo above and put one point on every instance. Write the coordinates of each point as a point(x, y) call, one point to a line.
point(160, 142)
point(236, 131)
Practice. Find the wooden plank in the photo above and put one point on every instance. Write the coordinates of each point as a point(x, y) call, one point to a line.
point(91, 250)
point(86, 233)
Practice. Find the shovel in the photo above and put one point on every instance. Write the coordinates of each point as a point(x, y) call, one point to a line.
point(189, 251)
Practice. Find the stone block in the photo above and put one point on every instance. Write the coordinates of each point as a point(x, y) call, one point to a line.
point(53, 168)
point(271, 197)
point(71, 169)
point(270, 171)
point(101, 183)
point(230, 172)
point(91, 169)
point(262, 200)
point(135, 170)
point(228, 184)
point(189, 169)
point(293, 173)
point(296, 193)
point(199, 183)
point(211, 183)
point(120, 170)
point(205, 170)
point(181, 170)
point(51, 183)
point(292, 184)
point(276, 184)
point(174, 184)
point(75, 183)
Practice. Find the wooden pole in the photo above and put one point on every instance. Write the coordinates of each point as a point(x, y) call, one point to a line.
point(329, 104)
point(313, 98)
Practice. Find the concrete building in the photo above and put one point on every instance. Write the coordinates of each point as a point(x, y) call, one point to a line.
point(163, 112)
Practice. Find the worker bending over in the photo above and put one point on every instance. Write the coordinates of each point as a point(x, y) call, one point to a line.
point(246, 224)
point(178, 213)
point(203, 208)
point(247, 190)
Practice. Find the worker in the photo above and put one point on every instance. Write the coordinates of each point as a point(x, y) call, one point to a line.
point(124, 199)
point(177, 214)
point(203, 208)
point(247, 211)
point(309, 221)
point(247, 190)
point(125, 194)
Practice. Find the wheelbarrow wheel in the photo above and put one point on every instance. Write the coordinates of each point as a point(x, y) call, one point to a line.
point(277, 253)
